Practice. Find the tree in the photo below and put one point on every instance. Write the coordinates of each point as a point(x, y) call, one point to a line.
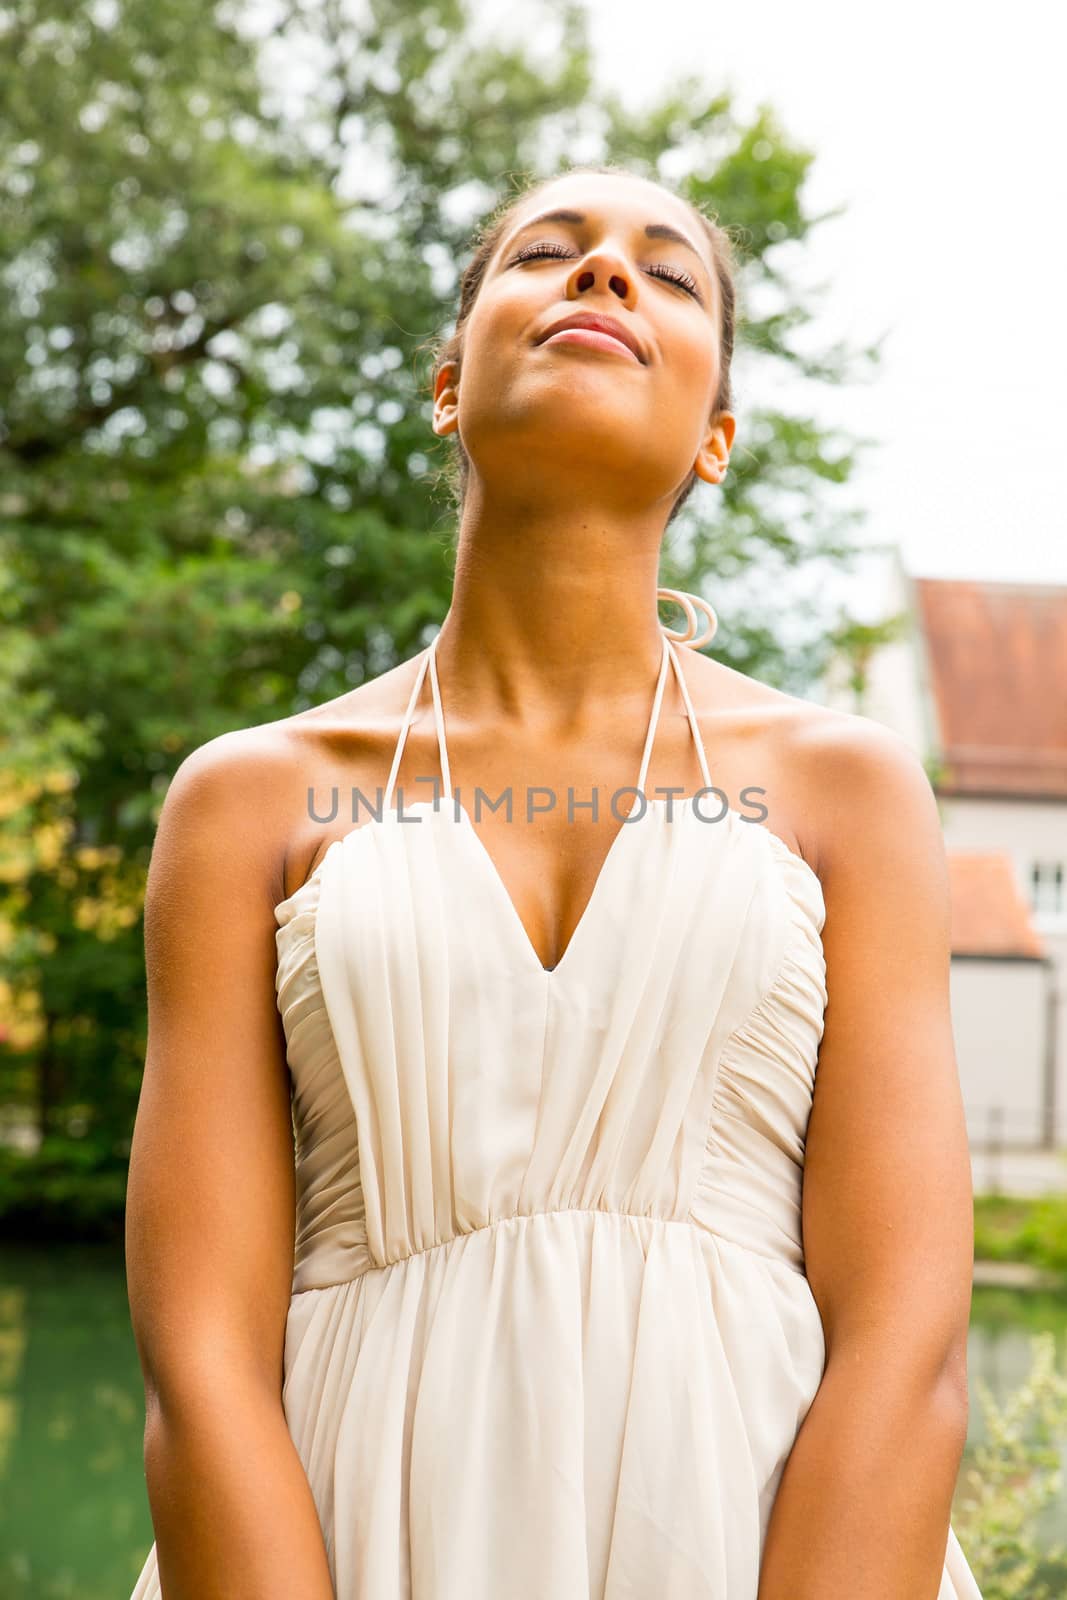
point(218, 500)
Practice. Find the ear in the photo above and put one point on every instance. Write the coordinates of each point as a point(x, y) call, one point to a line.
point(713, 457)
point(446, 398)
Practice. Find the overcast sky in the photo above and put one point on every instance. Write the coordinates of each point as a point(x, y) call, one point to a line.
point(941, 126)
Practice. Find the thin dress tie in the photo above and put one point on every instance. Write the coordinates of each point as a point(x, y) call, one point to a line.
point(429, 661)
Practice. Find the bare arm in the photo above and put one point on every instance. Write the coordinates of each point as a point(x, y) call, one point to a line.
point(864, 1501)
point(210, 1201)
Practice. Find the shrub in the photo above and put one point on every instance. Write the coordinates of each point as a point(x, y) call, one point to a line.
point(1014, 1476)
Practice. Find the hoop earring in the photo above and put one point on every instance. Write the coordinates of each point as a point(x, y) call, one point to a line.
point(687, 601)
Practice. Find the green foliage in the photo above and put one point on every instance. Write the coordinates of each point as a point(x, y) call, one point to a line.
point(1043, 1237)
point(217, 502)
point(856, 644)
point(1010, 1229)
point(1014, 1476)
point(67, 1190)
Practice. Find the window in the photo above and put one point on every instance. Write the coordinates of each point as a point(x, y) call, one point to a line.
point(1047, 887)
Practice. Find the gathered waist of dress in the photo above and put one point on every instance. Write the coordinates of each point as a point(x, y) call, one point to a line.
point(327, 1266)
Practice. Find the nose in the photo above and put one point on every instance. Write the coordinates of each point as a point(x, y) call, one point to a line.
point(604, 269)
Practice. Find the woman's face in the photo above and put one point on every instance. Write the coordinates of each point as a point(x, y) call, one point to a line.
point(541, 419)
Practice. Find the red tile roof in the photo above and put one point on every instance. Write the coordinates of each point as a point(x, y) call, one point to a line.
point(990, 916)
point(997, 657)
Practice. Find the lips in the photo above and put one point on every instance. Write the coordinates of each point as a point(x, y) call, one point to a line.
point(596, 322)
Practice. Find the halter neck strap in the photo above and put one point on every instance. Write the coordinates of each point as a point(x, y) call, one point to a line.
point(429, 661)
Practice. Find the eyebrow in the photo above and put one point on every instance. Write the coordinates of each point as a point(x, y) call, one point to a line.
point(653, 230)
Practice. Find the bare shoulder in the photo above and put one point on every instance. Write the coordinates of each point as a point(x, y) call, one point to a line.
point(248, 799)
point(353, 729)
point(868, 792)
point(223, 816)
point(839, 777)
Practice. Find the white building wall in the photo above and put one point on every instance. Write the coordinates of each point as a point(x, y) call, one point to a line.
point(998, 1010)
point(1026, 830)
point(994, 1001)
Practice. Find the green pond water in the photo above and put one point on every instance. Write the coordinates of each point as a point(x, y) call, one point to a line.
point(74, 1521)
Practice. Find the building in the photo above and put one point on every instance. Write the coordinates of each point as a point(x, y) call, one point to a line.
point(977, 684)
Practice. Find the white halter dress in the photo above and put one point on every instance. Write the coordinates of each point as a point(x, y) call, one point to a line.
point(550, 1335)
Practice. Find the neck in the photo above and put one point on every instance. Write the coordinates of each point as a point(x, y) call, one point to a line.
point(554, 610)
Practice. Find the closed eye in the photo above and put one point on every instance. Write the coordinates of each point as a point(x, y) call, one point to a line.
point(659, 269)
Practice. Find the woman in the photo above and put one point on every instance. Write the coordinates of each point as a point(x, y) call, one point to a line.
point(580, 1286)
